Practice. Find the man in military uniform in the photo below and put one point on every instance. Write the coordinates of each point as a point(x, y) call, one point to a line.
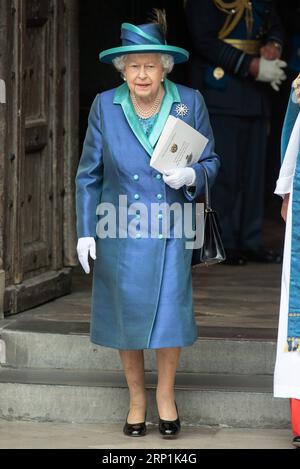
point(236, 50)
point(290, 14)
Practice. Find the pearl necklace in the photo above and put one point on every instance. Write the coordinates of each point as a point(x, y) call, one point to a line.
point(145, 114)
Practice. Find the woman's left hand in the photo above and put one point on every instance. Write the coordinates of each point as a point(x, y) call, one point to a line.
point(179, 177)
point(284, 207)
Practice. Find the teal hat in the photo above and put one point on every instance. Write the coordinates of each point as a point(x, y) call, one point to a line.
point(141, 39)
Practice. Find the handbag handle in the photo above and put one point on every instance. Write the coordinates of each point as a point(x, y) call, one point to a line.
point(207, 191)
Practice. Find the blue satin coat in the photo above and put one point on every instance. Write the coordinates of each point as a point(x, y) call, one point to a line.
point(142, 287)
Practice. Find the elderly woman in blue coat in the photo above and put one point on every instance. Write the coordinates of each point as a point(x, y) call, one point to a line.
point(142, 286)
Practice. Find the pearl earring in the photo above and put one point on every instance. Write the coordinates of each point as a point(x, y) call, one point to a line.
point(124, 78)
point(162, 80)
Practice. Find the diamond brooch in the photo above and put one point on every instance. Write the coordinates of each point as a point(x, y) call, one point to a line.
point(181, 110)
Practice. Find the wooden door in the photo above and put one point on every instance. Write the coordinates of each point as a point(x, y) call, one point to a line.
point(41, 151)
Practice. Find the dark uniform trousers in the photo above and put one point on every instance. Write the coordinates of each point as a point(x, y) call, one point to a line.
point(238, 191)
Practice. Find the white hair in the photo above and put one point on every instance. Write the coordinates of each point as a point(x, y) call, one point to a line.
point(167, 62)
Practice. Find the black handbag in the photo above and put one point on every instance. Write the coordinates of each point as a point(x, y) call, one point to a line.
point(212, 250)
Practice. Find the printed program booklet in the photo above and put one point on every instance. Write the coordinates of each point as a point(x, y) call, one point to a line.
point(179, 145)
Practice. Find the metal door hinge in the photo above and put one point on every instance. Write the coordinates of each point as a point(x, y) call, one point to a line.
point(2, 351)
point(2, 92)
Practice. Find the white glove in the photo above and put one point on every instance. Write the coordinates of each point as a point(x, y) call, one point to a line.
point(179, 177)
point(271, 71)
point(85, 246)
point(276, 84)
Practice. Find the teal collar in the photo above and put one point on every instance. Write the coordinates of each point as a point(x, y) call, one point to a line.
point(171, 96)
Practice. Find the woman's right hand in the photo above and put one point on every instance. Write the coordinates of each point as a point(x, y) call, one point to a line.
point(284, 207)
point(85, 246)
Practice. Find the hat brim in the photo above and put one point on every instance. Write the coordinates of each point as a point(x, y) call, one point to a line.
point(180, 55)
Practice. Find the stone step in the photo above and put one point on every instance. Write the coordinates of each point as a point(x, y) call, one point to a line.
point(65, 345)
point(96, 396)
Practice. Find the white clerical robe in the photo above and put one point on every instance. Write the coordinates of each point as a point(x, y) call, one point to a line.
point(287, 368)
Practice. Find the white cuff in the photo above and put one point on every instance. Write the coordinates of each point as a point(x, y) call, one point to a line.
point(192, 183)
point(284, 185)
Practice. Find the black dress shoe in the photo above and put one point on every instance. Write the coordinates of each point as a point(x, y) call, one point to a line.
point(234, 257)
point(169, 428)
point(263, 255)
point(135, 429)
point(296, 441)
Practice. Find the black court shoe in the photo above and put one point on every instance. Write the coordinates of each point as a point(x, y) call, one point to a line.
point(263, 255)
point(234, 257)
point(169, 428)
point(135, 429)
point(296, 441)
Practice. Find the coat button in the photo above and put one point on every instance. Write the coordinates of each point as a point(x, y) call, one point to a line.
point(159, 196)
point(136, 196)
point(158, 176)
point(136, 177)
